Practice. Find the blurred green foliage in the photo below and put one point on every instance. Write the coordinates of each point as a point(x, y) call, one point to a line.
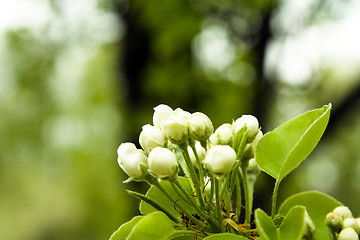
point(67, 102)
point(59, 176)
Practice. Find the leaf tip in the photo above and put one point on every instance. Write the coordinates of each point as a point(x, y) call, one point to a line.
point(329, 106)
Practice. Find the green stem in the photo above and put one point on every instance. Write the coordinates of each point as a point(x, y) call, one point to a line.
point(238, 196)
point(228, 203)
point(201, 171)
point(190, 199)
point(217, 199)
point(225, 185)
point(212, 190)
point(179, 193)
point(274, 198)
point(196, 206)
point(189, 215)
point(246, 195)
point(251, 182)
point(193, 175)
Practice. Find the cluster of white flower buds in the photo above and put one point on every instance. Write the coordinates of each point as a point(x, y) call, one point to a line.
point(342, 224)
point(171, 129)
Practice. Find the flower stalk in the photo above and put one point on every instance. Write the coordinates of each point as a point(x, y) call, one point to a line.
point(193, 175)
point(274, 199)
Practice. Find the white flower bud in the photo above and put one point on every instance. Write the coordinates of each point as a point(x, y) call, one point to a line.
point(161, 113)
point(162, 163)
point(132, 160)
point(200, 151)
point(334, 221)
point(250, 122)
point(220, 160)
point(175, 128)
point(348, 234)
point(343, 211)
point(183, 113)
point(200, 126)
point(223, 135)
point(353, 223)
point(151, 137)
point(356, 226)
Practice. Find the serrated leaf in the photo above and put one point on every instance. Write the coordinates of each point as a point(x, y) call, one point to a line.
point(265, 226)
point(156, 225)
point(292, 228)
point(155, 194)
point(282, 150)
point(317, 205)
point(225, 236)
point(125, 229)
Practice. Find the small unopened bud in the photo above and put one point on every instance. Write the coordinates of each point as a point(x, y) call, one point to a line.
point(353, 223)
point(253, 168)
point(249, 150)
point(220, 159)
point(200, 126)
point(348, 234)
point(161, 113)
point(162, 163)
point(334, 221)
point(132, 160)
point(223, 135)
point(250, 122)
point(343, 211)
point(175, 128)
point(151, 137)
point(201, 152)
point(257, 138)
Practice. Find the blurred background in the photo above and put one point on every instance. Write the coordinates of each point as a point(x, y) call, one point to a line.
point(77, 78)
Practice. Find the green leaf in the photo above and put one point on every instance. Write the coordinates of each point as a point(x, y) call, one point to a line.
point(125, 229)
point(225, 236)
point(265, 226)
point(317, 205)
point(185, 235)
point(156, 225)
point(153, 226)
point(282, 150)
point(292, 228)
point(154, 204)
point(155, 194)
